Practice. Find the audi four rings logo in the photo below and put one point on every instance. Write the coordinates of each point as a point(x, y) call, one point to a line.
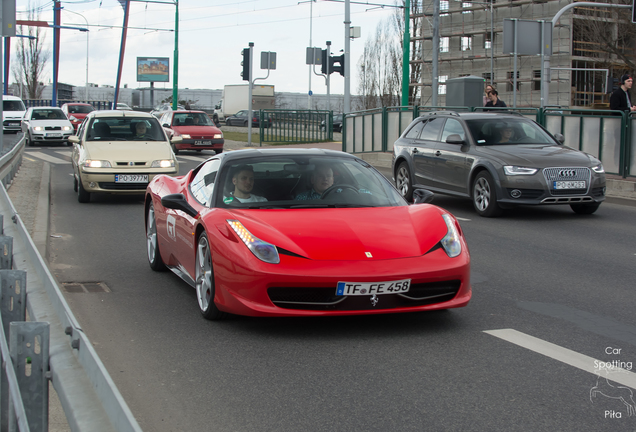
point(567, 173)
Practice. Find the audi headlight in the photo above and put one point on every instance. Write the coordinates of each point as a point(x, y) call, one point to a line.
point(164, 163)
point(67, 128)
point(218, 136)
point(598, 169)
point(262, 250)
point(89, 163)
point(512, 170)
point(451, 242)
point(38, 128)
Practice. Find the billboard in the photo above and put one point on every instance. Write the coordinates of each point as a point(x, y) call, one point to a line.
point(153, 69)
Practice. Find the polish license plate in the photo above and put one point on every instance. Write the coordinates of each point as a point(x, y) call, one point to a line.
point(131, 178)
point(202, 142)
point(570, 185)
point(54, 135)
point(13, 124)
point(370, 288)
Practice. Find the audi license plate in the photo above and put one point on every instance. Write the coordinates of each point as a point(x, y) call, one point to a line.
point(202, 142)
point(131, 178)
point(369, 288)
point(569, 185)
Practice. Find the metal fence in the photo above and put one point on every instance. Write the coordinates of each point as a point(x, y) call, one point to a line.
point(295, 126)
point(607, 135)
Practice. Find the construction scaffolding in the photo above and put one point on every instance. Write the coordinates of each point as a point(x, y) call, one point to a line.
point(466, 47)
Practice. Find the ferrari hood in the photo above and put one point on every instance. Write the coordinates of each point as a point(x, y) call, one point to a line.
point(349, 234)
point(537, 156)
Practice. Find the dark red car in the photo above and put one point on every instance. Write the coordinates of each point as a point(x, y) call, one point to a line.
point(195, 127)
point(76, 112)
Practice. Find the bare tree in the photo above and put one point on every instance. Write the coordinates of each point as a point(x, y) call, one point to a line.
point(31, 57)
point(380, 67)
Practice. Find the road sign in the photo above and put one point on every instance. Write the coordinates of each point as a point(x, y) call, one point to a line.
point(529, 41)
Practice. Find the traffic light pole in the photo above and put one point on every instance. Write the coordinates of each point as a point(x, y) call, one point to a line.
point(328, 76)
point(249, 104)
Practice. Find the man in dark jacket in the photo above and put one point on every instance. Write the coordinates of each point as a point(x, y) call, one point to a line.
point(494, 100)
point(619, 100)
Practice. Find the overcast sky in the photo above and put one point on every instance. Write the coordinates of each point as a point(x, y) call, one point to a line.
point(212, 34)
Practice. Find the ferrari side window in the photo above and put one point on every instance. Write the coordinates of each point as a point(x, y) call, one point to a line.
point(203, 182)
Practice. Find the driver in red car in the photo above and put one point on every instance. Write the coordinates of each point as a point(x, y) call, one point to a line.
point(321, 180)
point(243, 181)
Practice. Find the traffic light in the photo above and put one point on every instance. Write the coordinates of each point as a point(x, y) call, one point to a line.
point(323, 64)
point(339, 60)
point(246, 64)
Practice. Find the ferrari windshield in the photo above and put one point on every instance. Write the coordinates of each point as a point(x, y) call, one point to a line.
point(508, 131)
point(304, 182)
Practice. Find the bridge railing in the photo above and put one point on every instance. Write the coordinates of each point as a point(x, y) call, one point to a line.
point(87, 393)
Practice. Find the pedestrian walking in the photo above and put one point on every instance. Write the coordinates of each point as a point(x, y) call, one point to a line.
point(494, 101)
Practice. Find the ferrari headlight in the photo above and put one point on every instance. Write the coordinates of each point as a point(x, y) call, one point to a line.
point(451, 241)
point(38, 128)
point(218, 136)
point(67, 128)
point(262, 250)
point(165, 163)
point(89, 163)
point(598, 169)
point(512, 170)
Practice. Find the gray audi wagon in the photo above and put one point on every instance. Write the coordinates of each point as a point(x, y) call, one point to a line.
point(497, 160)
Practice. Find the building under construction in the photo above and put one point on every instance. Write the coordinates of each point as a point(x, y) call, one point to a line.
point(471, 42)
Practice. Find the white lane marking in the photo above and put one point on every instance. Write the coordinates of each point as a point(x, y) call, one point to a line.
point(563, 355)
point(64, 152)
point(48, 158)
point(193, 158)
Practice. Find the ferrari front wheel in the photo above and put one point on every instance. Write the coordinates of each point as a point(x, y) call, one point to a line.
point(152, 241)
point(204, 281)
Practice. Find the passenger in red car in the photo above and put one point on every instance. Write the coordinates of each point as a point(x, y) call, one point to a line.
point(243, 181)
point(321, 180)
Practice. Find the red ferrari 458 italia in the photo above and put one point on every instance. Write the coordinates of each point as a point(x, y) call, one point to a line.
point(303, 232)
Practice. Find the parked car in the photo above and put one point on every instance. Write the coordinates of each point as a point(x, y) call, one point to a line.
point(161, 109)
point(256, 249)
point(497, 160)
point(120, 152)
point(337, 123)
point(46, 124)
point(195, 128)
point(76, 112)
point(123, 106)
point(241, 118)
point(13, 111)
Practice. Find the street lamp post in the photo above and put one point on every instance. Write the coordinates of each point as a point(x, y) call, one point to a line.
point(87, 33)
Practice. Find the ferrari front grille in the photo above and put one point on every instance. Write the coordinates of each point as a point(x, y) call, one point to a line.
point(325, 298)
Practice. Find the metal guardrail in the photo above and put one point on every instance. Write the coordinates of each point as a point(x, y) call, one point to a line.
point(607, 135)
point(88, 395)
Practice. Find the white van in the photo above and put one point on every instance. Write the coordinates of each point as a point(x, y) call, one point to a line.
point(12, 113)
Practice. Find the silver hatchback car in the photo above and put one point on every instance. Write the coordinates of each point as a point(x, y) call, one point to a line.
point(497, 160)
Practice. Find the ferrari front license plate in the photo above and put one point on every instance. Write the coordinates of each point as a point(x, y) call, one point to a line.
point(569, 185)
point(369, 288)
point(131, 178)
point(202, 142)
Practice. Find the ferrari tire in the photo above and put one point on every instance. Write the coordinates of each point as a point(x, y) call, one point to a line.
point(585, 208)
point(152, 241)
point(204, 280)
point(404, 181)
point(485, 196)
point(82, 195)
